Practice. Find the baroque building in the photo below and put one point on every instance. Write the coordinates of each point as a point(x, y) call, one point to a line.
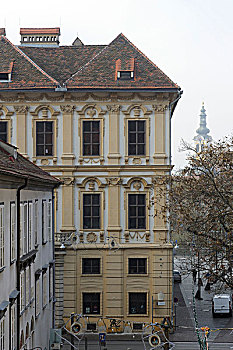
point(99, 118)
point(26, 252)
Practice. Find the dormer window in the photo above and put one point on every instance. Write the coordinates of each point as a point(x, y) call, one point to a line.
point(4, 77)
point(125, 75)
point(124, 69)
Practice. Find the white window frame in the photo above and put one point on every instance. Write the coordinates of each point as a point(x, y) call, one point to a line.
point(21, 228)
point(30, 225)
point(36, 223)
point(43, 221)
point(37, 296)
point(25, 228)
point(2, 333)
point(22, 291)
point(13, 231)
point(49, 220)
point(44, 288)
point(2, 236)
point(13, 326)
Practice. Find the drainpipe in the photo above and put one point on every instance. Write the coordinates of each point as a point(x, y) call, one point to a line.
point(169, 228)
point(18, 262)
point(53, 241)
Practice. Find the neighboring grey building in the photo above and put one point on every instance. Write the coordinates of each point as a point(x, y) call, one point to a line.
point(202, 138)
point(26, 252)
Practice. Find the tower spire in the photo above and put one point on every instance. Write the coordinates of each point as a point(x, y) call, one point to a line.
point(202, 137)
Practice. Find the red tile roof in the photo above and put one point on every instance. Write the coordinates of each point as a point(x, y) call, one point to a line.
point(24, 31)
point(81, 67)
point(22, 167)
point(26, 74)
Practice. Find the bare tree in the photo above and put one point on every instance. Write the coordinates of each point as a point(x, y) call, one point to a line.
point(200, 204)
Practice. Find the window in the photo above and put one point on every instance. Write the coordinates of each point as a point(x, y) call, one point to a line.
point(44, 138)
point(25, 228)
point(21, 229)
point(49, 214)
point(137, 211)
point(2, 334)
point(91, 138)
point(91, 211)
point(2, 235)
point(91, 303)
point(37, 294)
point(50, 281)
point(44, 229)
point(22, 291)
point(4, 77)
point(137, 303)
point(30, 227)
point(13, 327)
point(3, 131)
point(91, 265)
point(13, 230)
point(137, 265)
point(125, 75)
point(27, 287)
point(31, 285)
point(44, 288)
point(136, 137)
point(91, 326)
point(36, 222)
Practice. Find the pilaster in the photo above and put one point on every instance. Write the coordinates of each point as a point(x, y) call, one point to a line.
point(114, 133)
point(68, 202)
point(67, 155)
point(21, 117)
point(159, 152)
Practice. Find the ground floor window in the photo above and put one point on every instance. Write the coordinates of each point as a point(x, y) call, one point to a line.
point(137, 303)
point(91, 303)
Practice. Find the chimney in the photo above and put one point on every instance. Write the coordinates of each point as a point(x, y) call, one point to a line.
point(3, 31)
point(40, 37)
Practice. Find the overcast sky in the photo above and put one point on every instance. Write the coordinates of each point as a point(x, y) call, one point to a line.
point(190, 40)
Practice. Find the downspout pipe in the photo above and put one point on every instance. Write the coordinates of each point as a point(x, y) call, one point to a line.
point(170, 164)
point(18, 262)
point(53, 241)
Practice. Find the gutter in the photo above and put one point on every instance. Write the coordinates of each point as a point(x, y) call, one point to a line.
point(18, 263)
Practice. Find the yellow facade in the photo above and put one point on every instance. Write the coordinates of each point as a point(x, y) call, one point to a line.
point(114, 174)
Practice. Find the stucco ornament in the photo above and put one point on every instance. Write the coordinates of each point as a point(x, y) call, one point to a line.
point(91, 185)
point(91, 112)
point(91, 237)
point(114, 108)
point(21, 109)
point(67, 108)
point(113, 181)
point(159, 108)
point(137, 185)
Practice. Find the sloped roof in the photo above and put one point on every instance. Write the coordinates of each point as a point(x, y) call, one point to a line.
point(63, 61)
point(100, 71)
point(82, 67)
point(22, 167)
point(26, 74)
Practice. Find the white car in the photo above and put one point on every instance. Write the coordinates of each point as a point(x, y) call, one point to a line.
point(222, 305)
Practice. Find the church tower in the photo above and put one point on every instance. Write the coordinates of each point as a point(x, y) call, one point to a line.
point(202, 138)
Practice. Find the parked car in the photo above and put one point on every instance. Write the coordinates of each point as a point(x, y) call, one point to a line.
point(222, 305)
point(176, 276)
